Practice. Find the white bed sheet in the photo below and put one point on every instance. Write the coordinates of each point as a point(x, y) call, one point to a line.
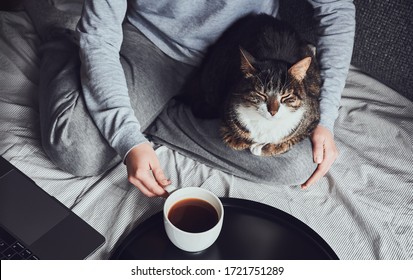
point(363, 207)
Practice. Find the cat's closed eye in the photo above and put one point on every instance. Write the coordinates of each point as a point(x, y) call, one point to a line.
point(289, 97)
point(262, 96)
point(289, 100)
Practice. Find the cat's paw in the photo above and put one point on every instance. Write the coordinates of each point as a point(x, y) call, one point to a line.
point(271, 149)
point(256, 149)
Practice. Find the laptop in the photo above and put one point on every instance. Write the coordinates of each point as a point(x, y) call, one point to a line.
point(35, 225)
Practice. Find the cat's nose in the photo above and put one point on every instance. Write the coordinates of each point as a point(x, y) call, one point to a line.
point(273, 107)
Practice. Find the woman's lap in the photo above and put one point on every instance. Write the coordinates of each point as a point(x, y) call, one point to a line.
point(73, 142)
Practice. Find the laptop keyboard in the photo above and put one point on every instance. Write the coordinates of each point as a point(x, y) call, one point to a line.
point(12, 249)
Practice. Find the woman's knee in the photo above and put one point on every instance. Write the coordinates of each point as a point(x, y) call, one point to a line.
point(77, 147)
point(79, 161)
point(69, 136)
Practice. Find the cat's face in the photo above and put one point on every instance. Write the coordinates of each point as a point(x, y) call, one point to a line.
point(271, 89)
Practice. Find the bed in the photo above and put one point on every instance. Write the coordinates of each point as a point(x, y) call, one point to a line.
point(363, 207)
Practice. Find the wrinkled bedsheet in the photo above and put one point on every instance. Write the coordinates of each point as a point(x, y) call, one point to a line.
point(363, 207)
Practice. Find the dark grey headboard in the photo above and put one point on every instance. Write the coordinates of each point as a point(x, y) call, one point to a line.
point(383, 46)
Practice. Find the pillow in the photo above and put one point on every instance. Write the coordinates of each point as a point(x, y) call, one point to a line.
point(383, 42)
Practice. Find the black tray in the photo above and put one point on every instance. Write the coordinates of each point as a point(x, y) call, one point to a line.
point(250, 230)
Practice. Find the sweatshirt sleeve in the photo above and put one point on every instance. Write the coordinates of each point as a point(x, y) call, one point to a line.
point(336, 28)
point(103, 80)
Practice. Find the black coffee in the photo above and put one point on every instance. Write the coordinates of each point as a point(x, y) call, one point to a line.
point(193, 215)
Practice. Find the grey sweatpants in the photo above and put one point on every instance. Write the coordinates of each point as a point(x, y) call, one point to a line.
point(73, 142)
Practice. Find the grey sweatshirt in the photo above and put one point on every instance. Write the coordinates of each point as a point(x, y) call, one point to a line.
point(183, 29)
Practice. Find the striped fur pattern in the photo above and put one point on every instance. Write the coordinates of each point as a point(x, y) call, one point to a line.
point(273, 108)
point(263, 81)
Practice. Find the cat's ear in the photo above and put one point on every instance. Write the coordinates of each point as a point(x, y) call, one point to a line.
point(246, 63)
point(299, 70)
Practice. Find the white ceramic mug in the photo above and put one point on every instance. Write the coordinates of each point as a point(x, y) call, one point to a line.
point(190, 241)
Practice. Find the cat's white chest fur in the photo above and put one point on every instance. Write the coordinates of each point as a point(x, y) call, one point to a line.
point(265, 128)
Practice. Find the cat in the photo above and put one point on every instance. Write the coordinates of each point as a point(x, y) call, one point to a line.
point(263, 81)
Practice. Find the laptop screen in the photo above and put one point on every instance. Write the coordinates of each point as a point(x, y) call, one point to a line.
point(25, 209)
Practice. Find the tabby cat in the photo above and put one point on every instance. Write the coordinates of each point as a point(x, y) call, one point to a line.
point(263, 81)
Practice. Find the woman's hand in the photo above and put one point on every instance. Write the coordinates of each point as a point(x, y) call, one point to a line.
point(145, 172)
point(324, 153)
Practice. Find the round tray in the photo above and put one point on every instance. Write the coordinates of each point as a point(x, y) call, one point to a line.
point(251, 230)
